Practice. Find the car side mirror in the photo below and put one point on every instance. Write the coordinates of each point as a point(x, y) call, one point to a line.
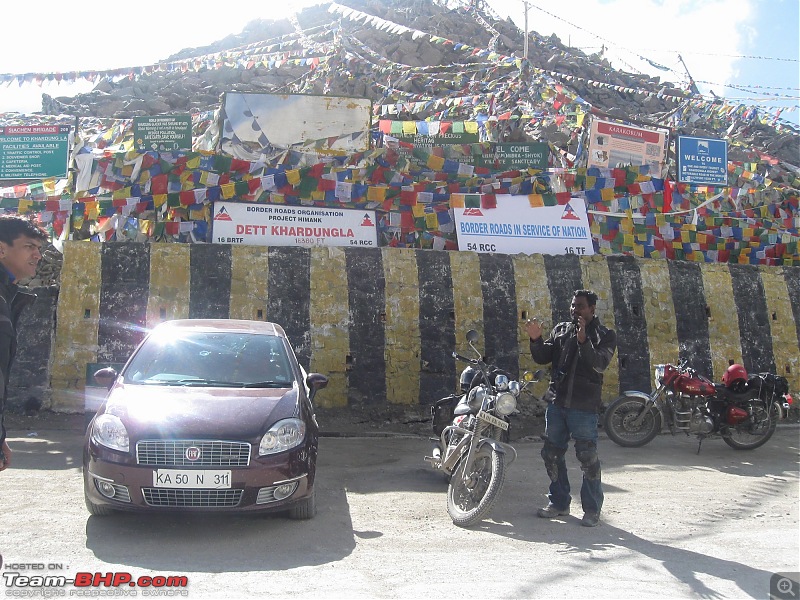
point(105, 377)
point(315, 382)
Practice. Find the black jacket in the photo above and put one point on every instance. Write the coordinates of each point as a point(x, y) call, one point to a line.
point(577, 370)
point(12, 301)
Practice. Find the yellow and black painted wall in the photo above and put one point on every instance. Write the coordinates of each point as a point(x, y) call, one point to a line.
point(382, 323)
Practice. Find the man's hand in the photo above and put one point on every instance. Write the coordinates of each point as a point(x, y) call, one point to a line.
point(533, 328)
point(5, 456)
point(581, 325)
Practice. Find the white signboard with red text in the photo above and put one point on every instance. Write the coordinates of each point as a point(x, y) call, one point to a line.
point(613, 145)
point(514, 227)
point(284, 225)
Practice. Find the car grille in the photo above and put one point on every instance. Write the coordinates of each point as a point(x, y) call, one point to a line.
point(213, 453)
point(192, 498)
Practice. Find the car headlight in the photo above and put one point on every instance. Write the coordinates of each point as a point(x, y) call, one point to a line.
point(108, 431)
point(284, 435)
point(505, 404)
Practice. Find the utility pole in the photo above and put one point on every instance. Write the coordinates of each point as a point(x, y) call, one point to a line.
point(692, 85)
point(525, 3)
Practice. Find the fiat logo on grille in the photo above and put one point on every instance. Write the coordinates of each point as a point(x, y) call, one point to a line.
point(192, 453)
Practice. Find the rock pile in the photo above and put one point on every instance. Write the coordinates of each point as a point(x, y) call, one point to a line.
point(356, 55)
point(48, 273)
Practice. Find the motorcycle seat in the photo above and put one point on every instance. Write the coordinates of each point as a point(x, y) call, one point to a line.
point(725, 393)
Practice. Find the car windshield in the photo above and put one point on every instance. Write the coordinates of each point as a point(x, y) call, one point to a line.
point(211, 358)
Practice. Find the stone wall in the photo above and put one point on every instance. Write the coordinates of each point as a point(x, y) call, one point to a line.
point(29, 387)
point(381, 323)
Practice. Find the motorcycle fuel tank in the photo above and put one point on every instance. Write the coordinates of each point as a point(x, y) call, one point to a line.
point(694, 386)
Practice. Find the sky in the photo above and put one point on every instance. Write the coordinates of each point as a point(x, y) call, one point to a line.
point(750, 44)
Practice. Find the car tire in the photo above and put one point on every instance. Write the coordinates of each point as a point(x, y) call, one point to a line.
point(96, 510)
point(305, 509)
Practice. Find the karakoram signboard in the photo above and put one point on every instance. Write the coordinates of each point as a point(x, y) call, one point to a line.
point(613, 145)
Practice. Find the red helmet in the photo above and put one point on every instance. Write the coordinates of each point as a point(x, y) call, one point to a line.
point(734, 374)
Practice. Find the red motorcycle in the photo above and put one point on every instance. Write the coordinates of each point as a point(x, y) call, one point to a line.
point(742, 410)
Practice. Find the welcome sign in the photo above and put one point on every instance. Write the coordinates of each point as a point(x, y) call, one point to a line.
point(702, 160)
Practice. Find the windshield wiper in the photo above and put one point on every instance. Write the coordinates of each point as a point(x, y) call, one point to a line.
point(205, 382)
point(215, 383)
point(161, 382)
point(267, 384)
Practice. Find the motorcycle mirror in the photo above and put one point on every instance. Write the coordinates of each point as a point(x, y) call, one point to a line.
point(472, 336)
point(532, 377)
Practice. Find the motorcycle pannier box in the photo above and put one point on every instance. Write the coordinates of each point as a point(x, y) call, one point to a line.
point(442, 412)
point(768, 386)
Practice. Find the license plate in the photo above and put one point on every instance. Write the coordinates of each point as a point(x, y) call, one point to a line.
point(186, 478)
point(484, 416)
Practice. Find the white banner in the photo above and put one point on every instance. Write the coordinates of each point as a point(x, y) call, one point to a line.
point(283, 225)
point(255, 125)
point(515, 227)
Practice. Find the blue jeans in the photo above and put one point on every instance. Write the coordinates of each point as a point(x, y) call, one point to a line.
point(581, 425)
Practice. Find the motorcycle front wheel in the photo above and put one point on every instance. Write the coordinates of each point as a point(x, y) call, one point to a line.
point(756, 429)
point(471, 495)
point(619, 417)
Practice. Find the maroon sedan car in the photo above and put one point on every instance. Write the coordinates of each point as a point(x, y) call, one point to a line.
point(206, 415)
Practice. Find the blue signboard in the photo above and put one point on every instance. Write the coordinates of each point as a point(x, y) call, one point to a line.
point(702, 160)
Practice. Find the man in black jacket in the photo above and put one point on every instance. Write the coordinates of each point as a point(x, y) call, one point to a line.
point(579, 350)
point(20, 252)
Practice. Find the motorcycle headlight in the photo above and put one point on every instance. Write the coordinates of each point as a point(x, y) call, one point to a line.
point(514, 387)
point(505, 404)
point(475, 399)
point(658, 373)
point(108, 431)
point(501, 382)
point(284, 435)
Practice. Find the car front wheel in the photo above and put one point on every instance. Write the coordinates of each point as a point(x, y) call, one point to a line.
point(305, 509)
point(96, 510)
